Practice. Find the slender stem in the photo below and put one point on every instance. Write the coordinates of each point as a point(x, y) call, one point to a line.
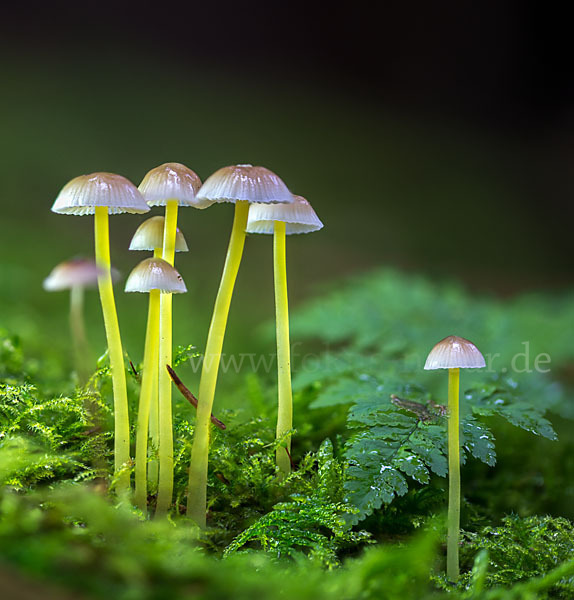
point(197, 493)
point(121, 415)
point(170, 231)
point(153, 467)
point(79, 337)
point(452, 570)
point(165, 453)
point(285, 394)
point(149, 378)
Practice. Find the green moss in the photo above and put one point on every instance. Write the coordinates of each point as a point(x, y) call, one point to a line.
point(361, 515)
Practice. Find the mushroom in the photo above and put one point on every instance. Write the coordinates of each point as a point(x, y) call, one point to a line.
point(454, 353)
point(149, 237)
point(75, 275)
point(154, 276)
point(281, 220)
point(240, 185)
point(170, 185)
point(102, 194)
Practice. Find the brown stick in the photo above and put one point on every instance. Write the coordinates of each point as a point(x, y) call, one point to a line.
point(293, 467)
point(189, 396)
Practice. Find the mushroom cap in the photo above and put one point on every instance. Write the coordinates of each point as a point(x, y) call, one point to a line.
point(454, 353)
point(155, 274)
point(172, 181)
point(244, 182)
point(76, 272)
point(299, 217)
point(149, 236)
point(81, 195)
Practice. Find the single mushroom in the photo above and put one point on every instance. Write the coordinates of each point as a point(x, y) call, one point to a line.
point(156, 277)
point(101, 195)
point(171, 185)
point(76, 275)
point(454, 353)
point(281, 220)
point(240, 185)
point(149, 237)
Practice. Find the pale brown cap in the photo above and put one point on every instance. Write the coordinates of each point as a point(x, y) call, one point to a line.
point(244, 182)
point(172, 181)
point(149, 236)
point(81, 195)
point(155, 274)
point(454, 353)
point(76, 272)
point(299, 217)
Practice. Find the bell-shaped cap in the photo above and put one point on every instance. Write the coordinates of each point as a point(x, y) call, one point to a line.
point(454, 353)
point(299, 217)
point(149, 236)
point(76, 272)
point(244, 182)
point(155, 274)
point(172, 181)
point(81, 195)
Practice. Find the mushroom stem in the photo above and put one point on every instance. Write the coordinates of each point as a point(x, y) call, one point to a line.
point(197, 492)
point(79, 337)
point(452, 569)
point(165, 451)
point(285, 394)
point(153, 467)
point(121, 416)
point(149, 382)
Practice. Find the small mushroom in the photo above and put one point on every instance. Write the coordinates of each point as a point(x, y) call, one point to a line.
point(101, 195)
point(149, 237)
point(171, 185)
point(240, 185)
point(156, 277)
point(281, 220)
point(454, 353)
point(76, 275)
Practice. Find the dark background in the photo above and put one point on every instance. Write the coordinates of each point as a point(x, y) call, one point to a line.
point(436, 138)
point(498, 64)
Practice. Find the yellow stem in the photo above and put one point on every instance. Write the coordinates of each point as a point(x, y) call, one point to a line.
point(80, 340)
point(170, 231)
point(165, 453)
point(285, 394)
point(149, 378)
point(197, 493)
point(452, 569)
point(121, 416)
point(153, 467)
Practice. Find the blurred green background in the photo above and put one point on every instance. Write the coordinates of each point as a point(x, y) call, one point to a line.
point(396, 183)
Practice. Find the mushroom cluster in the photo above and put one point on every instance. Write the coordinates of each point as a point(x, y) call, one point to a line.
point(263, 204)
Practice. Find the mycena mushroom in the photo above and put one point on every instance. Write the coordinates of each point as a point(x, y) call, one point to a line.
point(76, 275)
point(156, 277)
point(454, 353)
point(149, 237)
point(104, 194)
point(281, 220)
point(240, 185)
point(171, 185)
